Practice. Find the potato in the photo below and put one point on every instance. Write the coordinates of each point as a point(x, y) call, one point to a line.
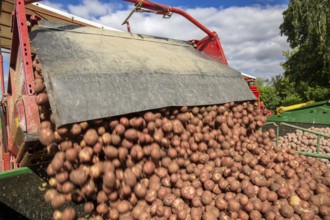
point(95, 171)
point(119, 129)
point(68, 214)
point(207, 197)
point(173, 167)
point(255, 215)
point(39, 85)
point(88, 207)
point(57, 215)
point(102, 209)
point(129, 178)
point(136, 152)
point(233, 205)
point(149, 116)
point(149, 168)
point(207, 162)
point(57, 201)
point(91, 137)
point(50, 195)
point(85, 155)
point(79, 176)
point(286, 211)
point(58, 161)
point(42, 99)
point(188, 192)
point(109, 179)
point(111, 152)
point(46, 136)
point(123, 207)
point(131, 134)
point(71, 154)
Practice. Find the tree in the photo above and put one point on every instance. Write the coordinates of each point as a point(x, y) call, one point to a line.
point(307, 27)
point(268, 94)
point(286, 91)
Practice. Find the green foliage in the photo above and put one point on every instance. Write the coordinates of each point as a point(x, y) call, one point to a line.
point(269, 96)
point(280, 91)
point(277, 92)
point(307, 68)
point(307, 27)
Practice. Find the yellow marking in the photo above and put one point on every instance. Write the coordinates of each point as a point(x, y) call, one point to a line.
point(16, 122)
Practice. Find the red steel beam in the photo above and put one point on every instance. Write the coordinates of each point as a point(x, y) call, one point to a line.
point(168, 10)
point(210, 45)
point(24, 45)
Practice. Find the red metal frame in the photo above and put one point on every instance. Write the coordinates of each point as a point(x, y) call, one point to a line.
point(210, 45)
point(19, 104)
point(21, 32)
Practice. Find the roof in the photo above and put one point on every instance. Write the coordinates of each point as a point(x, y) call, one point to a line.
point(45, 12)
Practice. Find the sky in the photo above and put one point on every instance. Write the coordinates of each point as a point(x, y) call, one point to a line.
point(248, 29)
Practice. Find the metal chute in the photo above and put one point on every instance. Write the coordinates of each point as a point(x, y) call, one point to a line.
point(94, 73)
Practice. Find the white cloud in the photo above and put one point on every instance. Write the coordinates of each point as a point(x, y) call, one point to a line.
point(93, 8)
point(58, 6)
point(249, 35)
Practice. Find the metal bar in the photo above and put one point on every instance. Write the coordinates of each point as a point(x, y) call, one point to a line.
point(26, 159)
point(6, 161)
point(24, 43)
point(309, 154)
point(168, 9)
point(21, 153)
point(304, 129)
point(271, 123)
point(318, 144)
point(15, 172)
point(59, 17)
point(209, 45)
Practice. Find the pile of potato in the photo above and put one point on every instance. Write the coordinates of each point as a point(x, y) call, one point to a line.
point(207, 162)
point(307, 142)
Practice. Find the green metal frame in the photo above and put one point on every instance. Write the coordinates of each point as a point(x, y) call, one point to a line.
point(317, 113)
point(14, 172)
point(319, 135)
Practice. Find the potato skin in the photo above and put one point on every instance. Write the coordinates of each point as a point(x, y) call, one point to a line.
point(206, 162)
point(91, 137)
point(46, 136)
point(42, 99)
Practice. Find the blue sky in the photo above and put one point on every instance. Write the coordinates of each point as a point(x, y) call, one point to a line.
point(249, 30)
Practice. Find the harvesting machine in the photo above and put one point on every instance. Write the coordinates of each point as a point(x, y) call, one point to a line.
point(91, 72)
